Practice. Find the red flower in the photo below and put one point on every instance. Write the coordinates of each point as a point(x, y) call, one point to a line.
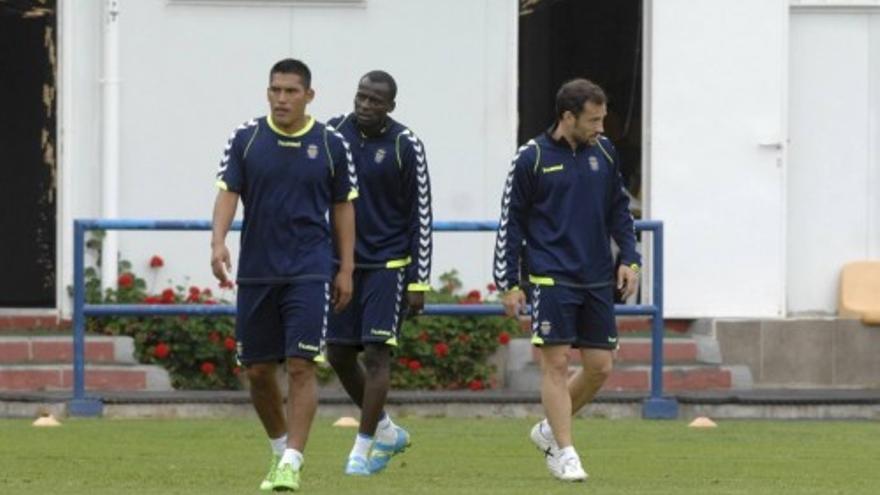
point(472, 297)
point(423, 336)
point(152, 300)
point(228, 284)
point(403, 361)
point(157, 262)
point(214, 337)
point(161, 351)
point(194, 294)
point(475, 384)
point(503, 338)
point(229, 344)
point(210, 302)
point(464, 338)
point(491, 288)
point(441, 350)
point(125, 281)
point(167, 296)
point(207, 368)
point(414, 365)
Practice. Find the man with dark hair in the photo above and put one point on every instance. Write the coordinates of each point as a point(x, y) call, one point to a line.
point(562, 201)
point(292, 175)
point(392, 259)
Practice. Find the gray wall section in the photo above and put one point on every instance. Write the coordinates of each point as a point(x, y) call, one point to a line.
point(803, 352)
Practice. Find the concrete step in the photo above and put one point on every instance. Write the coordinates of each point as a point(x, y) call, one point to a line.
point(18, 349)
point(637, 378)
point(638, 351)
point(26, 321)
point(690, 363)
point(628, 324)
point(117, 377)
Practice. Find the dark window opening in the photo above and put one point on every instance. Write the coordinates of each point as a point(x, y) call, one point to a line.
point(598, 39)
point(28, 164)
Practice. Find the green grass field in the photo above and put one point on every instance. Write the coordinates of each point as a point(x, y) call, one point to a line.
point(449, 456)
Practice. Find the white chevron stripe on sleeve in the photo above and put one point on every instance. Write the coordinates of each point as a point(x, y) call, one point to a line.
point(501, 248)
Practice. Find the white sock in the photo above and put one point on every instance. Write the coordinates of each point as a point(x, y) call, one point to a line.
point(567, 452)
point(278, 444)
point(385, 431)
point(292, 457)
point(362, 445)
point(385, 422)
point(546, 430)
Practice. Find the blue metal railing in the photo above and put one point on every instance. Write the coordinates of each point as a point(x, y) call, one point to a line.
point(655, 406)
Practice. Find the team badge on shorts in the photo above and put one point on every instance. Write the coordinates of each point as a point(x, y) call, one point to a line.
point(546, 327)
point(380, 155)
point(594, 163)
point(312, 151)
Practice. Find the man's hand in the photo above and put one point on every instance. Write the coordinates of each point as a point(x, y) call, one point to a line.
point(342, 287)
point(513, 301)
point(627, 281)
point(221, 264)
point(416, 301)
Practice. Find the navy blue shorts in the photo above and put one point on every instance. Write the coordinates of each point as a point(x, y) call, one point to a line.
point(574, 316)
point(279, 321)
point(375, 312)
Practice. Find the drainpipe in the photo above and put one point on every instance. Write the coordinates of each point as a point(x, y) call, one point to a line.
point(110, 140)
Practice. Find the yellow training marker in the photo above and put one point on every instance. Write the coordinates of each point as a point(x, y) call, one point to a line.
point(46, 420)
point(346, 422)
point(702, 422)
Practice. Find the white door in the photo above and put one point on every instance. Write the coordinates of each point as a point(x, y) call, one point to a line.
point(717, 126)
point(834, 176)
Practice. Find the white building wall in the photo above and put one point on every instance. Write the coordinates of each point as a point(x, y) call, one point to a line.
point(717, 124)
point(717, 106)
point(192, 72)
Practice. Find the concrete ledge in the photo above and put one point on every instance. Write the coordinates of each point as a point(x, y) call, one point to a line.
point(803, 352)
point(760, 404)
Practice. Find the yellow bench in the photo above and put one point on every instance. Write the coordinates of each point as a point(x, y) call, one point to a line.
point(860, 291)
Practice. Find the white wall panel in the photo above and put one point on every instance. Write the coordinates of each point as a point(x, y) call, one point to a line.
point(833, 174)
point(717, 93)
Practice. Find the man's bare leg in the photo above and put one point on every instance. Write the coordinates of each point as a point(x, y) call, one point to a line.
point(302, 401)
point(267, 399)
point(596, 366)
point(554, 392)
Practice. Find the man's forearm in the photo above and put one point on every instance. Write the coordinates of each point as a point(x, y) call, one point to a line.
point(224, 211)
point(344, 234)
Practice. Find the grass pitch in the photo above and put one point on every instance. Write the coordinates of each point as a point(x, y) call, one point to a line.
point(449, 456)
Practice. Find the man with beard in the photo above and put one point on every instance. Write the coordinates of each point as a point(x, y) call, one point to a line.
point(562, 201)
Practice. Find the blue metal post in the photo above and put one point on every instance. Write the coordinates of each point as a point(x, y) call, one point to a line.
point(656, 406)
point(80, 405)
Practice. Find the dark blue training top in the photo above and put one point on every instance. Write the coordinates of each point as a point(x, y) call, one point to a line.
point(565, 205)
point(287, 183)
point(393, 210)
